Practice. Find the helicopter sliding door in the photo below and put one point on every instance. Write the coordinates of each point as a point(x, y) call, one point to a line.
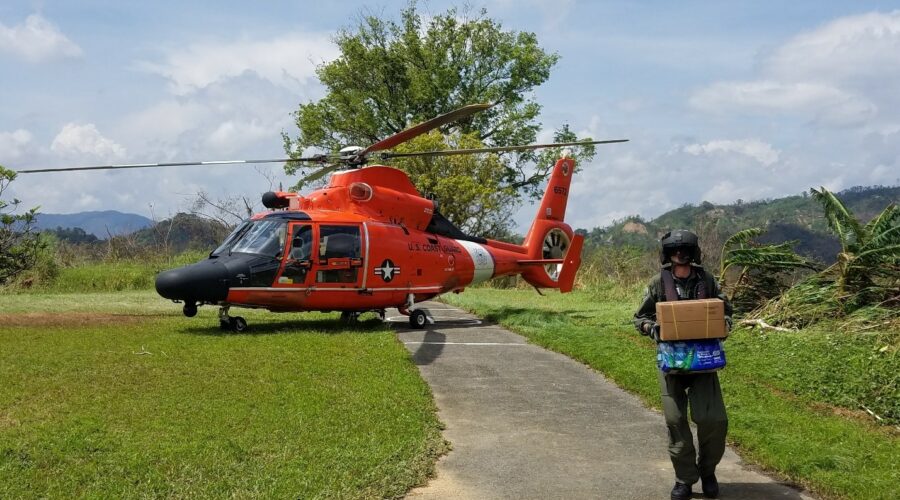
point(338, 261)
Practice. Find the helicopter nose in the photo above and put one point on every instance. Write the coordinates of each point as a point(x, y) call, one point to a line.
point(205, 281)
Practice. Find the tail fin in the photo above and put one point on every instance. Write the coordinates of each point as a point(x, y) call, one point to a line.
point(556, 197)
point(551, 238)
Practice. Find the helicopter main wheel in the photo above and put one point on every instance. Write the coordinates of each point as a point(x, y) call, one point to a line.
point(349, 317)
point(418, 319)
point(189, 309)
point(238, 324)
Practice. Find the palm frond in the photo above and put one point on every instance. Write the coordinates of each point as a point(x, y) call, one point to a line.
point(884, 221)
point(839, 217)
point(886, 254)
point(742, 237)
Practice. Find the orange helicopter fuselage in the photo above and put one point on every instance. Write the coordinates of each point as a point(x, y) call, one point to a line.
point(369, 241)
point(391, 255)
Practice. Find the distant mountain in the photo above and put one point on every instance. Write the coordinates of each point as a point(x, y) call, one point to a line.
point(100, 224)
point(793, 218)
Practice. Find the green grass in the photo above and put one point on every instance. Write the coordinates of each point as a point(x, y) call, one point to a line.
point(297, 408)
point(776, 386)
point(101, 276)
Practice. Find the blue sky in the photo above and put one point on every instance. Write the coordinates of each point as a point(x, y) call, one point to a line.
point(721, 100)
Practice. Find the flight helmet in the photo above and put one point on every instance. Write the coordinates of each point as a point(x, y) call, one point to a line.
point(679, 239)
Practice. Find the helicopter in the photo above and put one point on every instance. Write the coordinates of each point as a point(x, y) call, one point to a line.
point(368, 241)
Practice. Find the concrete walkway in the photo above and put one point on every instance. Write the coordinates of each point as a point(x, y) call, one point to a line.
point(525, 422)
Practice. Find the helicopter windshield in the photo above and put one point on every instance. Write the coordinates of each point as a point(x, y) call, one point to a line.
point(261, 237)
point(237, 233)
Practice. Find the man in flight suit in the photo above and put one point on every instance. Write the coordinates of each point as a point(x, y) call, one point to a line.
point(680, 256)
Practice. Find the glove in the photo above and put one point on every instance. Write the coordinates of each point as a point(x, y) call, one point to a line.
point(654, 332)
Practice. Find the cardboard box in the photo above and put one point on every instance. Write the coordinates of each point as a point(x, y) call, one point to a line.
point(691, 319)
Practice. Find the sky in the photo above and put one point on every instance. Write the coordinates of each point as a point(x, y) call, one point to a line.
point(721, 101)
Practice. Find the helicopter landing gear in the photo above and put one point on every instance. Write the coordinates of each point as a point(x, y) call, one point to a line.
point(231, 323)
point(189, 309)
point(349, 317)
point(419, 318)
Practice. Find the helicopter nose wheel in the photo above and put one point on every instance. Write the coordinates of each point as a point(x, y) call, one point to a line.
point(189, 309)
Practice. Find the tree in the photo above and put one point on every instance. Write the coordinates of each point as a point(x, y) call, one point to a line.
point(19, 243)
point(762, 267)
point(868, 267)
point(466, 187)
point(392, 75)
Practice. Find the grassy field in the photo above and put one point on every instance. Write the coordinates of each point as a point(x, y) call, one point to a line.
point(793, 399)
point(113, 395)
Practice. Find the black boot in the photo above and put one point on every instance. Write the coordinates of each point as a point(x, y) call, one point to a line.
point(681, 491)
point(710, 486)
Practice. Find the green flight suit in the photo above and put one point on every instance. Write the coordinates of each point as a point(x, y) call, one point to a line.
point(699, 390)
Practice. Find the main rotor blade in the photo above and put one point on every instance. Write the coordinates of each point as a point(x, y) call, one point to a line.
point(318, 174)
point(424, 127)
point(312, 159)
point(498, 149)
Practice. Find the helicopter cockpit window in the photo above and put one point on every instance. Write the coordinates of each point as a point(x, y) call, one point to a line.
point(336, 244)
point(237, 233)
point(263, 237)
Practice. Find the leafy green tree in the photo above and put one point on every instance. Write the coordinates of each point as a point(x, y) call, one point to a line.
point(392, 75)
point(19, 243)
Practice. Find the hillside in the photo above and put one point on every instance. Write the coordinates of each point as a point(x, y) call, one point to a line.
point(797, 218)
point(101, 224)
point(183, 232)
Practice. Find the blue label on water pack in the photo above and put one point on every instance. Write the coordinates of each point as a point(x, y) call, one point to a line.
point(690, 356)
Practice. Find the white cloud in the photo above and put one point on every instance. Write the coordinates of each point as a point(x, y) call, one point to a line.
point(288, 61)
point(16, 144)
point(825, 103)
point(85, 140)
point(753, 148)
point(37, 40)
point(234, 134)
point(838, 75)
point(847, 49)
point(241, 116)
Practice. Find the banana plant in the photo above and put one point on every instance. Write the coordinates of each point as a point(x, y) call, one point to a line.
point(868, 266)
point(741, 251)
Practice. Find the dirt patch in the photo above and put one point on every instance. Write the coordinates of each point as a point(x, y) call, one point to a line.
point(634, 227)
point(68, 319)
point(7, 422)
